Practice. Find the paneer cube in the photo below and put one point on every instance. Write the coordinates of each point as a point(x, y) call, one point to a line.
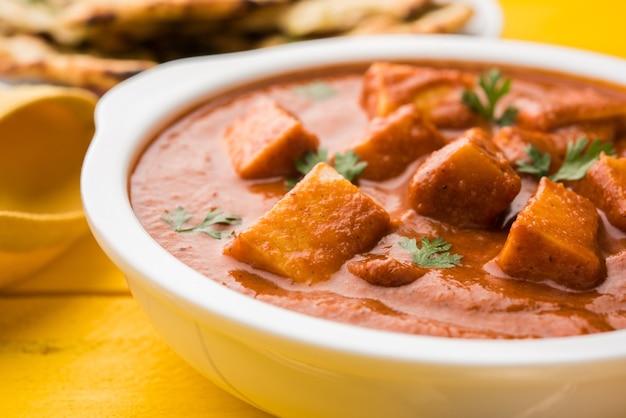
point(267, 140)
point(385, 271)
point(604, 129)
point(513, 141)
point(320, 224)
point(436, 92)
point(467, 183)
point(605, 185)
point(555, 239)
point(549, 109)
point(395, 141)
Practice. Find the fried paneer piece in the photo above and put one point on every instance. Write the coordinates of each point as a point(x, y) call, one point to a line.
point(467, 183)
point(605, 185)
point(267, 140)
point(513, 142)
point(320, 224)
point(394, 141)
point(557, 107)
point(436, 92)
point(385, 271)
point(555, 238)
point(605, 129)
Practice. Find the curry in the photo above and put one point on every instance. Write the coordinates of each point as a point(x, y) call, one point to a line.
point(428, 198)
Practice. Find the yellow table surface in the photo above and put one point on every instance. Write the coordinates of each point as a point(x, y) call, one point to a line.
point(73, 342)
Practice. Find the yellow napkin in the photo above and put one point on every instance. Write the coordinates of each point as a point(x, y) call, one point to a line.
point(44, 134)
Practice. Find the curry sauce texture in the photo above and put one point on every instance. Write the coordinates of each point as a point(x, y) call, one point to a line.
point(440, 199)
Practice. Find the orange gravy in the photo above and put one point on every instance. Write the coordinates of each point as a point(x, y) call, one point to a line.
point(187, 165)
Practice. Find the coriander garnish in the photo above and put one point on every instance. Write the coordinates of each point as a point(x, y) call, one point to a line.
point(539, 165)
point(494, 87)
point(346, 164)
point(433, 254)
point(578, 159)
point(317, 90)
point(177, 218)
point(311, 159)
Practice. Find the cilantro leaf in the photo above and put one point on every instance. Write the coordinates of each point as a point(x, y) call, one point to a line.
point(539, 165)
point(311, 159)
point(494, 87)
point(317, 90)
point(507, 117)
point(177, 218)
point(578, 159)
point(432, 254)
point(346, 164)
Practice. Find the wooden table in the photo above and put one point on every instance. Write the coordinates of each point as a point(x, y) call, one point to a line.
point(73, 343)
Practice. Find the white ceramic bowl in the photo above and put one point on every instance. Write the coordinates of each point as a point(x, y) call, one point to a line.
point(298, 366)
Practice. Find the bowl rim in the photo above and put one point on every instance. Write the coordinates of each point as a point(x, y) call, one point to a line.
point(162, 93)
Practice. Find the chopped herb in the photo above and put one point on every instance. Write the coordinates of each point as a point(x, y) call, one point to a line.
point(433, 254)
point(317, 90)
point(539, 165)
point(507, 118)
point(177, 218)
point(291, 182)
point(347, 164)
point(578, 158)
point(311, 159)
point(494, 87)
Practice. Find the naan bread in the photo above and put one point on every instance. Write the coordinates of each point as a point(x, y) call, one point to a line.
point(309, 17)
point(98, 43)
point(22, 16)
point(450, 18)
point(26, 57)
point(91, 20)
